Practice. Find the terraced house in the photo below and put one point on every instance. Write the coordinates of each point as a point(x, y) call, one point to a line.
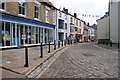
point(62, 24)
point(76, 28)
point(26, 22)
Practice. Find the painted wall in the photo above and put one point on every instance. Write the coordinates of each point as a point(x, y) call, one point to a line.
point(119, 22)
point(62, 17)
point(114, 22)
point(103, 28)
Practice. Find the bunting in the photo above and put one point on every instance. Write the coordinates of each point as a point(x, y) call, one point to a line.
point(90, 16)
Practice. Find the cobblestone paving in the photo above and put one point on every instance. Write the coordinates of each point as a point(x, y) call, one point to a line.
point(84, 61)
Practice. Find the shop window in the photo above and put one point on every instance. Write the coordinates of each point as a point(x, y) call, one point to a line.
point(61, 36)
point(6, 38)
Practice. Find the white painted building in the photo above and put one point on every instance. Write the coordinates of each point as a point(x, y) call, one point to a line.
point(103, 29)
point(114, 20)
point(62, 26)
point(91, 33)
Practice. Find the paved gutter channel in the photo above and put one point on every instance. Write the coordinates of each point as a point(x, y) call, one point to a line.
point(41, 68)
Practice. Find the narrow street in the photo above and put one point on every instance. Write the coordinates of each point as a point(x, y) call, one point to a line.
point(84, 60)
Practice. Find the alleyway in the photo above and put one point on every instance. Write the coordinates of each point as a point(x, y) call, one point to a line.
point(84, 60)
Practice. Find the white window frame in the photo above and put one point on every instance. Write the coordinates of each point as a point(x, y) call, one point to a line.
point(65, 16)
point(24, 15)
point(38, 5)
point(60, 14)
point(47, 15)
point(4, 5)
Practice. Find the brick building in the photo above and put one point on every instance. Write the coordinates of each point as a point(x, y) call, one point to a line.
point(26, 22)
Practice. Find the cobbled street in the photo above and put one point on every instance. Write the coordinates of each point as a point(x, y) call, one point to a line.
point(84, 60)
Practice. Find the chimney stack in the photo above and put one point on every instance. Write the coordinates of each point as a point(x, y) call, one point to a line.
point(65, 10)
point(75, 15)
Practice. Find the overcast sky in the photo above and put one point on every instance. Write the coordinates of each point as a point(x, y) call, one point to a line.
point(89, 7)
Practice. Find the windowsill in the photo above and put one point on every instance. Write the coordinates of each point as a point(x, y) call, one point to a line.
point(22, 15)
point(47, 22)
point(37, 19)
point(4, 10)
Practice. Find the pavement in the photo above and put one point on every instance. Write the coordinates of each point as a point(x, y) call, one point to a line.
point(85, 60)
point(13, 61)
point(113, 48)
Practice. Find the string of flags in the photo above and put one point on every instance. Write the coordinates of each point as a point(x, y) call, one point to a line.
point(90, 16)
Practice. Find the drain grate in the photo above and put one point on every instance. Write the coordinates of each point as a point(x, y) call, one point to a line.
point(88, 55)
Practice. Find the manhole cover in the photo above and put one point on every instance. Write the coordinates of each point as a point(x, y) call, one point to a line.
point(88, 55)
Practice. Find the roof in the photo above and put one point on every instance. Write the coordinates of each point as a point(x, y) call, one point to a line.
point(47, 2)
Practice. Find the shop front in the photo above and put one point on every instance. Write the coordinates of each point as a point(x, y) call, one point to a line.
point(17, 31)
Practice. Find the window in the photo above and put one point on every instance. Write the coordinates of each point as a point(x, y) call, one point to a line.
point(61, 36)
point(61, 24)
point(2, 4)
point(65, 17)
point(72, 29)
point(71, 20)
point(60, 14)
point(80, 31)
point(77, 22)
point(66, 26)
point(80, 24)
point(47, 15)
point(66, 36)
point(37, 11)
point(76, 29)
point(22, 8)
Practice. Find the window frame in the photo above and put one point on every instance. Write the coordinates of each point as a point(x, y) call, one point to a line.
point(71, 20)
point(4, 5)
point(37, 11)
point(65, 16)
point(23, 6)
point(47, 15)
point(60, 14)
point(66, 26)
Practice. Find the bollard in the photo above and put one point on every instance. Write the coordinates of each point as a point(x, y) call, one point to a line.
point(71, 41)
point(118, 44)
point(26, 57)
point(62, 43)
point(106, 42)
point(110, 43)
point(49, 47)
point(54, 45)
point(41, 50)
point(58, 44)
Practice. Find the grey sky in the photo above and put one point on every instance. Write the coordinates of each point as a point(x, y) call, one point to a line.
point(90, 7)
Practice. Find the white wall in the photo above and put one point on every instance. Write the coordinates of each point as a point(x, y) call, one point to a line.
point(114, 22)
point(82, 27)
point(103, 28)
point(119, 22)
point(63, 15)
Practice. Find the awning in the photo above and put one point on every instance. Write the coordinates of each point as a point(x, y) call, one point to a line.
point(21, 20)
